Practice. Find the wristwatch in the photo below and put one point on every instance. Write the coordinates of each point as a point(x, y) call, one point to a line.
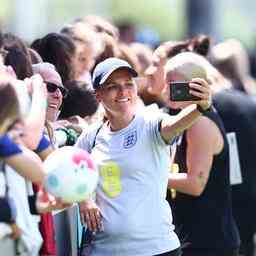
point(203, 111)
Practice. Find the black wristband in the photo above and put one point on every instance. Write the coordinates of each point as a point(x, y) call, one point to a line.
point(203, 111)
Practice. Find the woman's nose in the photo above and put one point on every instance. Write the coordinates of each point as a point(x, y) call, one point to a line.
point(122, 89)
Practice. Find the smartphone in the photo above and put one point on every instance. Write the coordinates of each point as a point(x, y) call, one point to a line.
point(179, 91)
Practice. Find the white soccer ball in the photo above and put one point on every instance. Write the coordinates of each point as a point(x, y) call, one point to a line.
point(71, 174)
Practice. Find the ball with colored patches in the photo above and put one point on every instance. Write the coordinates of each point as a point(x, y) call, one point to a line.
point(71, 174)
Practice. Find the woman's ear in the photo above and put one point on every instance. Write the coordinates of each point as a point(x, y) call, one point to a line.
point(97, 95)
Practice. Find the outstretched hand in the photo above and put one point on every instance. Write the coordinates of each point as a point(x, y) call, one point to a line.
point(47, 203)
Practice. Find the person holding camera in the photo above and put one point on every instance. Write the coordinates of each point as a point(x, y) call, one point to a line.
point(131, 215)
point(201, 204)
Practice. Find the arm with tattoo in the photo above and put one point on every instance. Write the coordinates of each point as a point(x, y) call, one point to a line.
point(203, 142)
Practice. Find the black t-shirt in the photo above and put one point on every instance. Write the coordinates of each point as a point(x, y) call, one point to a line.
point(206, 221)
point(238, 112)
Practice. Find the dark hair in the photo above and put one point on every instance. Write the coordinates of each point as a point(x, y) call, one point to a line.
point(59, 50)
point(125, 24)
point(18, 56)
point(12, 41)
point(9, 103)
point(19, 62)
point(79, 101)
point(199, 44)
point(127, 30)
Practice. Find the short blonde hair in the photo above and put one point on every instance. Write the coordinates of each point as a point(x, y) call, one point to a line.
point(190, 65)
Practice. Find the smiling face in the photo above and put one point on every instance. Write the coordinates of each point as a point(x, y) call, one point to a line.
point(54, 99)
point(119, 94)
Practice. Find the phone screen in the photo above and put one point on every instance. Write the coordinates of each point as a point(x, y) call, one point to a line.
point(179, 91)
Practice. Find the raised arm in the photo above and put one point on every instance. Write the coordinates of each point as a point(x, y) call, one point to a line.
point(34, 123)
point(174, 125)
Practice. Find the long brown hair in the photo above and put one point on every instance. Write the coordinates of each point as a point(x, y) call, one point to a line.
point(10, 108)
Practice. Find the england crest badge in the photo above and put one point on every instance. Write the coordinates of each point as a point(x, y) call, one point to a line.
point(130, 139)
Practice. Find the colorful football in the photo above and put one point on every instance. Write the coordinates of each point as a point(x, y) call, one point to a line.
point(71, 174)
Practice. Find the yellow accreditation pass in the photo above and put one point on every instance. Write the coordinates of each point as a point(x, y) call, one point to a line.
point(174, 168)
point(111, 176)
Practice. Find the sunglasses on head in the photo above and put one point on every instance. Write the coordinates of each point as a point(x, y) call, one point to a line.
point(53, 87)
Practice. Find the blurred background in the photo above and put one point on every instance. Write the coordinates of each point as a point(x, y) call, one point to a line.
point(157, 20)
point(147, 21)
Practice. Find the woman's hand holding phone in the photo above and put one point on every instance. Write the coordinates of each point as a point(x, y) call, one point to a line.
point(196, 91)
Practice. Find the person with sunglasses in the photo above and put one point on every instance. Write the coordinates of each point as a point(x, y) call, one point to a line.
point(51, 87)
point(59, 136)
point(63, 132)
point(56, 90)
point(55, 95)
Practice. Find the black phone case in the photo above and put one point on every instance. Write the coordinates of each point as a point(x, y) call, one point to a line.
point(179, 91)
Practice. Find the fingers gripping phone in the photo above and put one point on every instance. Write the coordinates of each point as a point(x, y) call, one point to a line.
point(179, 91)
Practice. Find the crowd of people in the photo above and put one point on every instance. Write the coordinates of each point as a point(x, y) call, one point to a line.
point(176, 177)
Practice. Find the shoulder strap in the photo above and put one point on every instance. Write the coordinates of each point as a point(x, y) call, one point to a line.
point(94, 141)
